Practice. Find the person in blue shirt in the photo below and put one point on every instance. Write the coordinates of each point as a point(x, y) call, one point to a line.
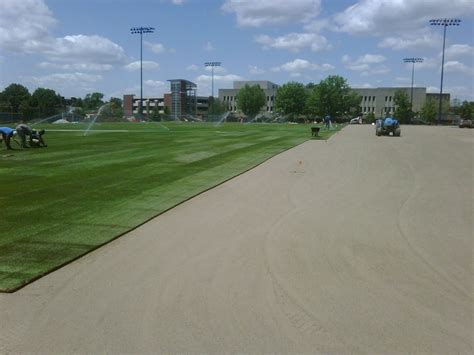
point(7, 134)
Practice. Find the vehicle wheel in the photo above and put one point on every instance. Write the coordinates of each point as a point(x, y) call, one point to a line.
point(378, 132)
point(398, 131)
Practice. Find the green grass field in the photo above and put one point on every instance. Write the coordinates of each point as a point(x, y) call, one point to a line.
point(60, 202)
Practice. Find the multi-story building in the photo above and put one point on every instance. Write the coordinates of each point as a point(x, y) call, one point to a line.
point(381, 101)
point(181, 103)
point(227, 96)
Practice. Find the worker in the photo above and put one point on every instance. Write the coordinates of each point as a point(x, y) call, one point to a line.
point(36, 138)
point(7, 134)
point(23, 130)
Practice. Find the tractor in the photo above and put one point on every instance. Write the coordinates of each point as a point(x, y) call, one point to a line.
point(386, 126)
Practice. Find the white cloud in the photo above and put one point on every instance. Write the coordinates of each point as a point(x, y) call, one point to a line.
point(155, 47)
point(192, 67)
point(208, 46)
point(455, 66)
point(460, 92)
point(368, 64)
point(204, 82)
point(456, 51)
point(294, 42)
point(229, 78)
point(403, 79)
point(70, 79)
point(317, 25)
point(253, 69)
point(400, 16)
point(147, 65)
point(299, 65)
point(86, 49)
point(177, 2)
point(363, 86)
point(422, 39)
point(24, 25)
point(363, 63)
point(25, 28)
point(76, 66)
point(155, 83)
point(267, 12)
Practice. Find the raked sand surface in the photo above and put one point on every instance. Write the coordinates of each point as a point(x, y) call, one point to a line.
point(360, 244)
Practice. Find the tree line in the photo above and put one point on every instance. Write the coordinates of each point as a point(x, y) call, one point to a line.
point(16, 100)
point(331, 96)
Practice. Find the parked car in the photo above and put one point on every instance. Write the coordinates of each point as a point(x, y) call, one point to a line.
point(356, 120)
point(465, 124)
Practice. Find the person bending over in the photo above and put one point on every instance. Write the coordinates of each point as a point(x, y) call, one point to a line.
point(36, 138)
point(7, 134)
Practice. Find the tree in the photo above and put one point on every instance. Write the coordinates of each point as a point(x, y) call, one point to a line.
point(403, 112)
point(12, 97)
point(116, 107)
point(217, 107)
point(466, 110)
point(28, 111)
point(93, 101)
point(332, 96)
point(46, 101)
point(290, 99)
point(370, 118)
point(429, 111)
point(250, 99)
point(155, 115)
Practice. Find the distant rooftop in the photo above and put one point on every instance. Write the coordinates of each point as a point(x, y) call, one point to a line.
point(188, 83)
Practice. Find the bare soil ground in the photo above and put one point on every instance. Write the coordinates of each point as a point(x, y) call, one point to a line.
point(356, 244)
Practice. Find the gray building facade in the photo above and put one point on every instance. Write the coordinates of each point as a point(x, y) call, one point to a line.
point(381, 101)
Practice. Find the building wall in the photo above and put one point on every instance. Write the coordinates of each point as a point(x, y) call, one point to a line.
point(128, 105)
point(381, 101)
point(150, 104)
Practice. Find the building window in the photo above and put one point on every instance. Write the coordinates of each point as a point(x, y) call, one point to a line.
point(390, 98)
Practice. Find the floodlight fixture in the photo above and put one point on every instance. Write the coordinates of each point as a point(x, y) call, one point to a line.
point(141, 31)
point(413, 61)
point(212, 65)
point(445, 22)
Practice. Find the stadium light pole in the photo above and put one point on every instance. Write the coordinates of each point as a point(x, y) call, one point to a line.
point(445, 22)
point(413, 61)
point(212, 65)
point(141, 31)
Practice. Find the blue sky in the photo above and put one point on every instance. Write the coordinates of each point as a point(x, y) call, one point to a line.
point(80, 46)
